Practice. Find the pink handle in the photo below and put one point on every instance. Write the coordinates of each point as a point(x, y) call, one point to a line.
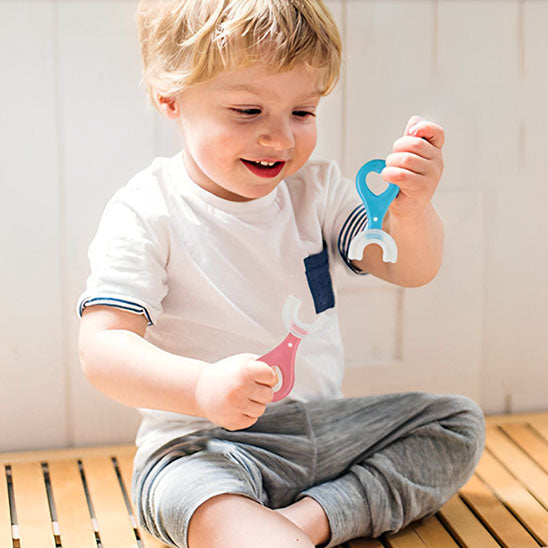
point(283, 358)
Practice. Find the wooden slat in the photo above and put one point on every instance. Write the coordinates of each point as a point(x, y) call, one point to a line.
point(508, 489)
point(407, 538)
point(5, 519)
point(530, 441)
point(465, 526)
point(519, 464)
point(47, 455)
point(125, 463)
point(434, 534)
point(540, 424)
point(523, 418)
point(31, 503)
point(502, 524)
point(75, 525)
point(115, 528)
point(365, 543)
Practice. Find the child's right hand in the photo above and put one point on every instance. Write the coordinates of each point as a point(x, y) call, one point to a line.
point(234, 391)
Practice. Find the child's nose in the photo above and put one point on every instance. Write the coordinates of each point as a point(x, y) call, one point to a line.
point(277, 135)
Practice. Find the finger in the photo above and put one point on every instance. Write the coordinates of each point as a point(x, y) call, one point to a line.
point(417, 146)
point(408, 161)
point(261, 394)
point(243, 421)
point(405, 179)
point(415, 119)
point(262, 373)
point(433, 133)
point(253, 409)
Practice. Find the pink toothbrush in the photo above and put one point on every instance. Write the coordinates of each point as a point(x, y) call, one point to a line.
point(282, 358)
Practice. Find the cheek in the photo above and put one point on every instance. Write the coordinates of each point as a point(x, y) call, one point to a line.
point(308, 137)
point(226, 141)
point(206, 131)
point(210, 144)
point(206, 152)
point(313, 137)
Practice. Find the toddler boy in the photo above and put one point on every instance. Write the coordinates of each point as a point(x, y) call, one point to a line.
point(191, 265)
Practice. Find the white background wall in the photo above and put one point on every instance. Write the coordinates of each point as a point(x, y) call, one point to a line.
point(74, 127)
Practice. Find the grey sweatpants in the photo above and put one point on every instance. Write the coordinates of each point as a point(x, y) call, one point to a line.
point(374, 464)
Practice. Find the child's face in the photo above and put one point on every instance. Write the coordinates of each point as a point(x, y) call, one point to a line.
point(241, 118)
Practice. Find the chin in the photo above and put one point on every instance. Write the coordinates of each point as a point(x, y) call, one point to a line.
point(248, 196)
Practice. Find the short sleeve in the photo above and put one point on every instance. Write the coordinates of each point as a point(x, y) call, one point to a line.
point(128, 256)
point(344, 216)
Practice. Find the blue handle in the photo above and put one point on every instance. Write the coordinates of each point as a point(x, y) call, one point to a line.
point(376, 205)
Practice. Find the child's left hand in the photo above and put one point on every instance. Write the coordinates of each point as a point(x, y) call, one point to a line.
point(415, 165)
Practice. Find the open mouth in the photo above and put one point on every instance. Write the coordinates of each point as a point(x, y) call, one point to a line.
point(264, 168)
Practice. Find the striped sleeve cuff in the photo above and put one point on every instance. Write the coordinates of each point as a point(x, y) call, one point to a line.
point(122, 304)
point(353, 225)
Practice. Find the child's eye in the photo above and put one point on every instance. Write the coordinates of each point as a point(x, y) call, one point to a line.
point(247, 111)
point(303, 113)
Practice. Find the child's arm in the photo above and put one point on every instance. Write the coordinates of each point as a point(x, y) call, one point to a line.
point(415, 165)
point(117, 360)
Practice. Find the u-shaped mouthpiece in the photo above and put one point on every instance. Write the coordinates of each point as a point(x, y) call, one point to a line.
point(373, 236)
point(290, 315)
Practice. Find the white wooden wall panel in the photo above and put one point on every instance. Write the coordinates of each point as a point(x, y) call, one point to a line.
point(427, 338)
point(400, 339)
point(108, 136)
point(527, 286)
point(484, 153)
point(32, 402)
point(388, 70)
point(492, 141)
point(480, 86)
point(522, 283)
point(75, 127)
point(330, 116)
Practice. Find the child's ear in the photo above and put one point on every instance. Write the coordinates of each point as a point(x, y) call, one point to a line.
point(168, 107)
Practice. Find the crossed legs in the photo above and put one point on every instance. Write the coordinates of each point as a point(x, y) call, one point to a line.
point(372, 465)
point(235, 521)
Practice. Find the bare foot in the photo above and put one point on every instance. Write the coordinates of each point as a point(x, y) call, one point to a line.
point(309, 516)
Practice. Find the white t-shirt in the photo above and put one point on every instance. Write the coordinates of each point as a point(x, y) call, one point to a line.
point(212, 275)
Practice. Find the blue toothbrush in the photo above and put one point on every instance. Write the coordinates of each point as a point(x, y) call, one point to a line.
point(376, 206)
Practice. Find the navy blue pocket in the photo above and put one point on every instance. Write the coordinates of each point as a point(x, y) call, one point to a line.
point(319, 280)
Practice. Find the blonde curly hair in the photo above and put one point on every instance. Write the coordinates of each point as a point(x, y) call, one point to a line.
point(187, 42)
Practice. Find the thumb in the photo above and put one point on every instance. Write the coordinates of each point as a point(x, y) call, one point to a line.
point(263, 373)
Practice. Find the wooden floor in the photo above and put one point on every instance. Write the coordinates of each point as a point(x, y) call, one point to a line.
point(78, 498)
